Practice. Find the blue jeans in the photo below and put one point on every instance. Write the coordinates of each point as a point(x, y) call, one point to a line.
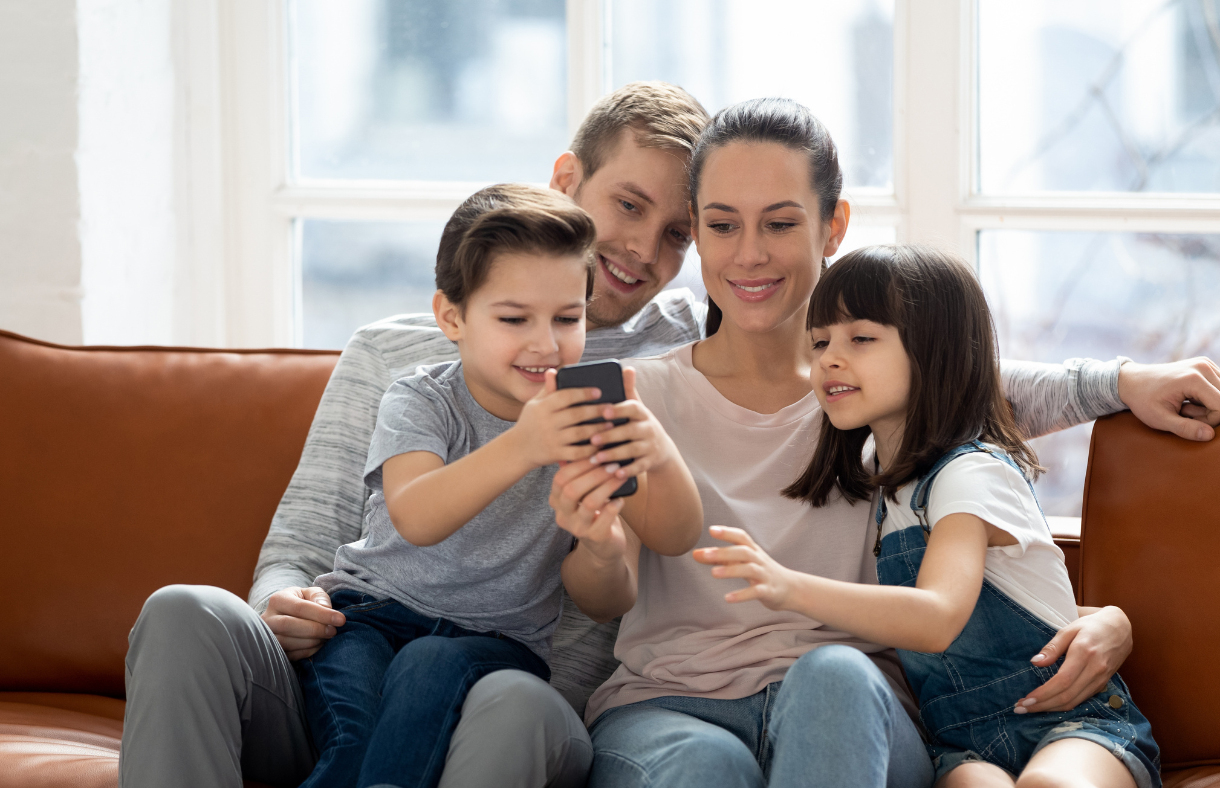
point(383, 696)
point(832, 721)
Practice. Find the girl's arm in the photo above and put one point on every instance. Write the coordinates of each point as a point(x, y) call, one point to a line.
point(925, 618)
point(665, 511)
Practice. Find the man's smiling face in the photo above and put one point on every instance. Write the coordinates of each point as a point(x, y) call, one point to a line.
point(638, 200)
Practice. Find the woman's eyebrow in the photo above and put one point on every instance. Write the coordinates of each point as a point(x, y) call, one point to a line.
point(719, 206)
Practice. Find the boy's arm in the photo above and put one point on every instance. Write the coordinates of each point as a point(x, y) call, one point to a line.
point(665, 512)
point(428, 500)
point(925, 618)
point(601, 572)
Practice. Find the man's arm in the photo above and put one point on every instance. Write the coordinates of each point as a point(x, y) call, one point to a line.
point(1182, 397)
point(323, 506)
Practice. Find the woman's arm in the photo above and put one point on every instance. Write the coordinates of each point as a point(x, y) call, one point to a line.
point(925, 618)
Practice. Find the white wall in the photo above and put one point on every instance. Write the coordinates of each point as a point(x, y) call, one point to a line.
point(40, 260)
point(125, 161)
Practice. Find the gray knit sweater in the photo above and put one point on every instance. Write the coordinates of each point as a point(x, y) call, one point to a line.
point(323, 507)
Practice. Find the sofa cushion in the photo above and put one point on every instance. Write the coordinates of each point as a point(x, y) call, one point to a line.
point(52, 740)
point(126, 469)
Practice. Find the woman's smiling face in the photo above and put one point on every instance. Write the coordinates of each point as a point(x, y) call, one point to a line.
point(760, 235)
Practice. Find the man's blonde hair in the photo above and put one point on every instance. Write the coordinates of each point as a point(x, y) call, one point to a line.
point(659, 114)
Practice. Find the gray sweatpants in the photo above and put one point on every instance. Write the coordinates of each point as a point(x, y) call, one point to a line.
point(212, 699)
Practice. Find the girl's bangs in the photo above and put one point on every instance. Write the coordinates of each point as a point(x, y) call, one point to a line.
point(860, 286)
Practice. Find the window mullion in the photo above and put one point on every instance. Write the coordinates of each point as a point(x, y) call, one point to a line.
point(587, 67)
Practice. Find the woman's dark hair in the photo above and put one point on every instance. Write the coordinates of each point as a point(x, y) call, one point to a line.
point(784, 122)
point(956, 396)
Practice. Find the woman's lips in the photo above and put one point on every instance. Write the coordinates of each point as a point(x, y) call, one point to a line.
point(754, 290)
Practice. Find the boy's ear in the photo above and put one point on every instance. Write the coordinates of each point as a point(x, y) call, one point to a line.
point(448, 316)
point(694, 226)
point(567, 174)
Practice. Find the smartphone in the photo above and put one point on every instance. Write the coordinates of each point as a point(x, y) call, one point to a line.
point(607, 376)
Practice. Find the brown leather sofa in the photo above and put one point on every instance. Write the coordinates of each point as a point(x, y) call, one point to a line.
point(126, 469)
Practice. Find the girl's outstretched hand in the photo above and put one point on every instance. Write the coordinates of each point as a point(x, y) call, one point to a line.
point(770, 583)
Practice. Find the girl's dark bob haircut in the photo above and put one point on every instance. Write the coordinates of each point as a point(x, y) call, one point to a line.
point(956, 395)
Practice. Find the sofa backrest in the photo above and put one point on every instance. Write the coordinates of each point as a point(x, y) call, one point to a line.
point(126, 469)
point(1151, 545)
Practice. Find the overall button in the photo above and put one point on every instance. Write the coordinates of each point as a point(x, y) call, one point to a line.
point(1115, 702)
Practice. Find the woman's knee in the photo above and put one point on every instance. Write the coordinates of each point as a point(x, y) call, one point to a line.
point(660, 747)
point(832, 678)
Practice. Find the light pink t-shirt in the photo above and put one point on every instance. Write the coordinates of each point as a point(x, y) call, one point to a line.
point(682, 638)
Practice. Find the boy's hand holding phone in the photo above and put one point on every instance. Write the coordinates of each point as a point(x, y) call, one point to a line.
point(645, 442)
point(550, 426)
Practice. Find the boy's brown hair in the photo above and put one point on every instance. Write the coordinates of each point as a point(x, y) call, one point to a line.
point(659, 114)
point(508, 218)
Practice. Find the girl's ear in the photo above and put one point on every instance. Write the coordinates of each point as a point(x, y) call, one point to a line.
point(448, 316)
point(838, 228)
point(567, 174)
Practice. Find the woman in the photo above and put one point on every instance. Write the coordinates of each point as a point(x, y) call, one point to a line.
point(698, 699)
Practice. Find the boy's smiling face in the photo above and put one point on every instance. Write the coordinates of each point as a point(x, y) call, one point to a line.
point(527, 317)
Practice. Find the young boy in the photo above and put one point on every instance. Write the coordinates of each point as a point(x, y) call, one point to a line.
point(459, 574)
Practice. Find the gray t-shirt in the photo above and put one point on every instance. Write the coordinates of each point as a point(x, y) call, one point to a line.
point(497, 573)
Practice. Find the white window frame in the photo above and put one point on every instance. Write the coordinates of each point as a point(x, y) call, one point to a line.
point(934, 199)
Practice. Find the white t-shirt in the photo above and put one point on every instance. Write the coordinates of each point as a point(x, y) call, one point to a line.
point(1031, 572)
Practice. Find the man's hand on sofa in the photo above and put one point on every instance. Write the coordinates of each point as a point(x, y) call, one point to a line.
point(1097, 643)
point(301, 620)
point(1182, 397)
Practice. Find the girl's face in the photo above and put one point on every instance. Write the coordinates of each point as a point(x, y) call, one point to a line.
point(862, 375)
point(759, 234)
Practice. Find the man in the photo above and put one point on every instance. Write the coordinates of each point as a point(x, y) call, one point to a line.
point(212, 696)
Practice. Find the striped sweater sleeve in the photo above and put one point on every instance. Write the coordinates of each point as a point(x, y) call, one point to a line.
point(1051, 397)
point(323, 507)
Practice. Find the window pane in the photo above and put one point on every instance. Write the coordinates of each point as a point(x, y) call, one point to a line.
point(422, 90)
point(836, 58)
point(1099, 95)
point(1059, 295)
point(353, 273)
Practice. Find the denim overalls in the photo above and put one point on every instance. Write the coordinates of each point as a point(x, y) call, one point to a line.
point(966, 694)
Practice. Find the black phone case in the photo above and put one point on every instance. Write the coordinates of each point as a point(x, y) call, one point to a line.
point(607, 376)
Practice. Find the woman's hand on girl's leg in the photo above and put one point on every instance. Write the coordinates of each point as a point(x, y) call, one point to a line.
point(1096, 645)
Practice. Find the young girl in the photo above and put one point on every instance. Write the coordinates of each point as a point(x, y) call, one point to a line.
point(972, 584)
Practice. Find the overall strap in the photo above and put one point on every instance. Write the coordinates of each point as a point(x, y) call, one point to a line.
point(923, 488)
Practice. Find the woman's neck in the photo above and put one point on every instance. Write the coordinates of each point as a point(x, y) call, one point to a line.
point(762, 372)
